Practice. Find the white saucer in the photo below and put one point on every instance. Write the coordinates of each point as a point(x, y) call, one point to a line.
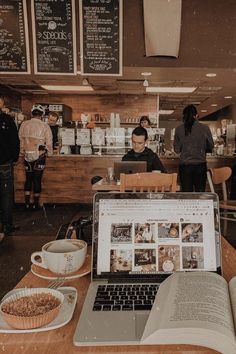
point(47, 274)
point(64, 316)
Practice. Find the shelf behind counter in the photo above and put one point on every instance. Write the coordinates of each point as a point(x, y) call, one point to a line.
point(67, 178)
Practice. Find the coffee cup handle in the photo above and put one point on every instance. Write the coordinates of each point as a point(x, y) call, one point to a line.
point(41, 264)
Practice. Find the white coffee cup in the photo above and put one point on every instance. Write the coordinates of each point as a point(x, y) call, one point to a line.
point(61, 256)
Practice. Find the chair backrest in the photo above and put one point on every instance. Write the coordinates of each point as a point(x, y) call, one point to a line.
point(148, 181)
point(219, 176)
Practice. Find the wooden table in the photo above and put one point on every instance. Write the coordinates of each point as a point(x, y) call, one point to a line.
point(104, 185)
point(60, 341)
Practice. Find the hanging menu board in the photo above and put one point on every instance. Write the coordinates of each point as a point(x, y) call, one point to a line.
point(54, 36)
point(14, 43)
point(101, 37)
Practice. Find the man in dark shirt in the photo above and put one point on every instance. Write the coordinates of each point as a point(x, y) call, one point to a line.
point(140, 152)
point(52, 121)
point(9, 153)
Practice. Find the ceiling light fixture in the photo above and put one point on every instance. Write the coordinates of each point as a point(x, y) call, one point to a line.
point(145, 83)
point(67, 88)
point(214, 105)
point(203, 110)
point(170, 89)
point(146, 73)
point(211, 74)
point(228, 97)
point(166, 111)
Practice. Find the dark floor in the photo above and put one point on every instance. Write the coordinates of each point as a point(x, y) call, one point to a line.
point(40, 227)
point(36, 229)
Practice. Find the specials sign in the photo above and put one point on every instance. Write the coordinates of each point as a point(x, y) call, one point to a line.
point(54, 36)
point(14, 42)
point(101, 37)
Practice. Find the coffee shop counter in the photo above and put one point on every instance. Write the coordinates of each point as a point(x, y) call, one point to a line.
point(67, 178)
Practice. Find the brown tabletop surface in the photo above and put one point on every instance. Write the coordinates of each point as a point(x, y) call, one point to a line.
point(60, 341)
point(104, 185)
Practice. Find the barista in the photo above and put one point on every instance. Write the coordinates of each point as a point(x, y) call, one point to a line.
point(145, 122)
point(52, 121)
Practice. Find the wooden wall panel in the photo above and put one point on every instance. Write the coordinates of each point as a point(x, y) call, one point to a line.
point(135, 105)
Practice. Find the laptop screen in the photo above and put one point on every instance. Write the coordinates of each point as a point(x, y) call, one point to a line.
point(145, 235)
point(129, 167)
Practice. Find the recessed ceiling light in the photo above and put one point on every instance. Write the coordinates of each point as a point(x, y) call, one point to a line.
point(211, 75)
point(228, 97)
point(67, 88)
point(203, 110)
point(146, 73)
point(170, 89)
point(166, 111)
point(214, 105)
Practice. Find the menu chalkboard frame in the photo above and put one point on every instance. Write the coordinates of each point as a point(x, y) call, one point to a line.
point(38, 72)
point(120, 57)
point(27, 51)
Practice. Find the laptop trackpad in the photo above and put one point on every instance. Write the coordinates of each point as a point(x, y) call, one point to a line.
point(140, 323)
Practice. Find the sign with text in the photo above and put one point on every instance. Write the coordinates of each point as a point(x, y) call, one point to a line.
point(54, 37)
point(101, 37)
point(14, 42)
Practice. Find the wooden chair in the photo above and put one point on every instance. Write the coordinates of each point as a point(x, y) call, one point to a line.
point(216, 176)
point(148, 181)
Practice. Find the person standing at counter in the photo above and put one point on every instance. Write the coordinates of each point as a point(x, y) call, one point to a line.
point(192, 140)
point(9, 153)
point(140, 152)
point(145, 122)
point(52, 122)
point(35, 144)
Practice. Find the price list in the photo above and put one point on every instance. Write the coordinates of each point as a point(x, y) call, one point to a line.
point(54, 36)
point(101, 37)
point(14, 49)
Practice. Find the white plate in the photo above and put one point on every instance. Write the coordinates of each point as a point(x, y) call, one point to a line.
point(64, 316)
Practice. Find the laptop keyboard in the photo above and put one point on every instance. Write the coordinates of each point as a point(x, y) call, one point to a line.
point(125, 297)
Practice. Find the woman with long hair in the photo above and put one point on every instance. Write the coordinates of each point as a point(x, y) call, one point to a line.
point(192, 141)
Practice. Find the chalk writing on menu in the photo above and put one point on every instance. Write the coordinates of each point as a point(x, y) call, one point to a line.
point(14, 49)
point(101, 37)
point(54, 36)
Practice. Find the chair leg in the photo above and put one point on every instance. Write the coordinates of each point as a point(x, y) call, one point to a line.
point(225, 227)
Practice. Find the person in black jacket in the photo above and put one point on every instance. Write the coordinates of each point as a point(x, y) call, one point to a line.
point(192, 140)
point(9, 153)
point(140, 152)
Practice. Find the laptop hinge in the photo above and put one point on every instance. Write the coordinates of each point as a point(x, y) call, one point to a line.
point(136, 280)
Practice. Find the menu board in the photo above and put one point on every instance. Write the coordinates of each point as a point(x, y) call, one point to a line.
point(101, 37)
point(54, 36)
point(14, 42)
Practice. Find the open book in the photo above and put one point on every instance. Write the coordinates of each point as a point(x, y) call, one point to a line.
point(196, 308)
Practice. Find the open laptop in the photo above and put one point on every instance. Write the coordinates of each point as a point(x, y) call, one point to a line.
point(129, 167)
point(139, 239)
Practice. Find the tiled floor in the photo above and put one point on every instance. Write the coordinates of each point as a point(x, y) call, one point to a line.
point(38, 228)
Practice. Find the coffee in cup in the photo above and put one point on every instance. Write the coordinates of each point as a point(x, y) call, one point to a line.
point(61, 256)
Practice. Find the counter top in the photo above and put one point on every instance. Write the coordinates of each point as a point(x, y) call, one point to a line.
point(120, 155)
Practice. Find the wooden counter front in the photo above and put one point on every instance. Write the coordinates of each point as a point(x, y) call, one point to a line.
point(67, 178)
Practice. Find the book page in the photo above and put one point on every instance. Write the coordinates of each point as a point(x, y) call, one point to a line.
point(193, 303)
point(232, 292)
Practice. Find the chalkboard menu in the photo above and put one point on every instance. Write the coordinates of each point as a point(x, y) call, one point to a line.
point(14, 47)
point(54, 35)
point(101, 37)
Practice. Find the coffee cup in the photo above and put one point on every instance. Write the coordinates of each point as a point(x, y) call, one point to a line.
point(61, 256)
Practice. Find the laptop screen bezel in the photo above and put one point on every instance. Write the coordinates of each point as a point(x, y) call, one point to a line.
point(124, 276)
